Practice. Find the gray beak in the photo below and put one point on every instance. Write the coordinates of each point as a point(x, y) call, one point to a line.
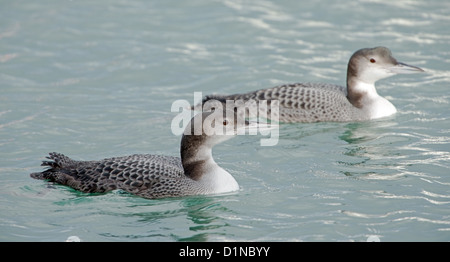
point(254, 126)
point(401, 68)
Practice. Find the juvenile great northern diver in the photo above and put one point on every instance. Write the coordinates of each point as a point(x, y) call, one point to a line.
point(156, 176)
point(307, 102)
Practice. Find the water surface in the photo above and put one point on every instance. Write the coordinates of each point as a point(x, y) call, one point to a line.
point(97, 79)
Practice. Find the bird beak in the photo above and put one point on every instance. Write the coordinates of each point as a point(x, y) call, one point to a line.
point(252, 127)
point(401, 68)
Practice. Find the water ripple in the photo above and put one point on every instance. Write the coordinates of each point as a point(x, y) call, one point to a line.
point(421, 219)
point(388, 214)
point(410, 197)
point(96, 79)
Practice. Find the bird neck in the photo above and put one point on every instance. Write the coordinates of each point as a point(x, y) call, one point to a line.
point(359, 91)
point(199, 165)
point(363, 95)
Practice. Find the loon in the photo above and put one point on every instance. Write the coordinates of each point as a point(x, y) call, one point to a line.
point(319, 102)
point(156, 176)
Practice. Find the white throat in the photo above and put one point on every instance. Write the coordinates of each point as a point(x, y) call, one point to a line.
point(217, 180)
point(373, 104)
point(211, 177)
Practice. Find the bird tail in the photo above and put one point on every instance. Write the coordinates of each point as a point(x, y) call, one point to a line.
point(78, 175)
point(56, 163)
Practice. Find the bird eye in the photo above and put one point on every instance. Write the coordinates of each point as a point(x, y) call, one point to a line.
point(372, 60)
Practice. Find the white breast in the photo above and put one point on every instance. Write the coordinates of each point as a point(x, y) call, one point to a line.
point(374, 105)
point(217, 180)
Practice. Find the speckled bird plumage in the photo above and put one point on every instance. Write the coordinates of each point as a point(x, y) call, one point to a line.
point(318, 102)
point(151, 176)
point(302, 102)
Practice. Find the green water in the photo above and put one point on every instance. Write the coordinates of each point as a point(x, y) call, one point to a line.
point(95, 79)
